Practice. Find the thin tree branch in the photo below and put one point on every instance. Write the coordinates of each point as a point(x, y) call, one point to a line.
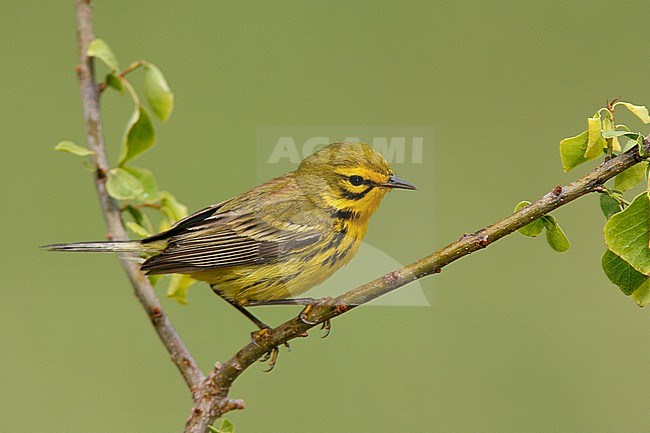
point(215, 389)
point(141, 286)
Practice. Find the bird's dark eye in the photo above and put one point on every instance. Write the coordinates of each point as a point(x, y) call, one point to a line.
point(356, 180)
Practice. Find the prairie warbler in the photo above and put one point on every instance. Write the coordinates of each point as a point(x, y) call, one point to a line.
point(277, 240)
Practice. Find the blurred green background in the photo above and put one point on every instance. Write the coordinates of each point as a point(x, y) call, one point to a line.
point(517, 338)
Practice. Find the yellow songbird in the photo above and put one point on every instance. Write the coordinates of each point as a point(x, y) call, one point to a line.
point(277, 240)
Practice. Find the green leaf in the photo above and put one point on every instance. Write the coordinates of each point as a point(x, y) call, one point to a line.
point(115, 82)
point(135, 213)
point(522, 204)
point(533, 229)
point(572, 151)
point(609, 205)
point(622, 273)
point(642, 294)
point(630, 177)
point(146, 178)
point(139, 136)
point(627, 234)
point(639, 111)
point(178, 285)
point(122, 185)
point(157, 92)
point(172, 207)
point(633, 139)
point(227, 427)
point(618, 133)
point(607, 124)
point(73, 148)
point(555, 235)
point(595, 142)
point(139, 217)
point(138, 229)
point(99, 49)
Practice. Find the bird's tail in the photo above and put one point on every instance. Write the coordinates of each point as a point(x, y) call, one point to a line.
point(101, 247)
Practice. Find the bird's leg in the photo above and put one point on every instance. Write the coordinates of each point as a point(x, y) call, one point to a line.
point(263, 326)
point(271, 355)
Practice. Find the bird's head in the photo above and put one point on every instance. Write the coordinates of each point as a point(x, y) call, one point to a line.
point(348, 177)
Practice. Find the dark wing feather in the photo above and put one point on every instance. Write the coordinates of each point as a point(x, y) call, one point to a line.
point(195, 219)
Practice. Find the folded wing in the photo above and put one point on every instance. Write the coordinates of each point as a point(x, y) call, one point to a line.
point(218, 237)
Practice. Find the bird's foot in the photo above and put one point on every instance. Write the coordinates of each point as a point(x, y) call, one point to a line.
point(326, 325)
point(271, 356)
point(303, 315)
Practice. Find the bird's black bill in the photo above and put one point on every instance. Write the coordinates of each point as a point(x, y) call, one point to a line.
point(396, 182)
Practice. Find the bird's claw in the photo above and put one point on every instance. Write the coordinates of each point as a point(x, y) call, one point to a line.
point(262, 334)
point(303, 314)
point(327, 327)
point(272, 355)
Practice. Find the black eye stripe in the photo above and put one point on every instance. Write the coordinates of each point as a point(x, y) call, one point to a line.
point(356, 195)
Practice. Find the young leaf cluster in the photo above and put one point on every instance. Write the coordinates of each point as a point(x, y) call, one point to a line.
point(135, 187)
point(603, 136)
point(554, 234)
point(626, 261)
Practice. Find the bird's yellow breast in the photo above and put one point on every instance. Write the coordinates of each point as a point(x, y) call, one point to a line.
point(291, 275)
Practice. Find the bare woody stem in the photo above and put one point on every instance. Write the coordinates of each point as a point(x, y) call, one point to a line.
point(217, 385)
point(141, 286)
